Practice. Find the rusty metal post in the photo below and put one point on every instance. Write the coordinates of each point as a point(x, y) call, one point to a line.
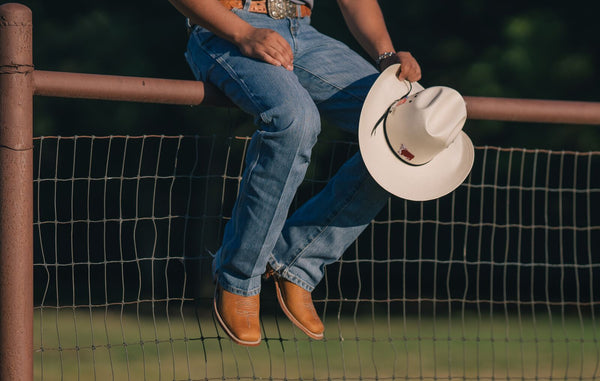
point(16, 193)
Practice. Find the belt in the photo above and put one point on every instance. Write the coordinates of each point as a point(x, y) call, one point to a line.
point(277, 9)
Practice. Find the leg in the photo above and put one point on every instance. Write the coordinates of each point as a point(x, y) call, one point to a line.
point(288, 124)
point(320, 231)
point(278, 156)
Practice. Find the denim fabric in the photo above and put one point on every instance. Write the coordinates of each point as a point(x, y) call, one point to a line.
point(329, 80)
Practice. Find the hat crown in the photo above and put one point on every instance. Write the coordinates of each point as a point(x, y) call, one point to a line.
point(395, 134)
point(425, 123)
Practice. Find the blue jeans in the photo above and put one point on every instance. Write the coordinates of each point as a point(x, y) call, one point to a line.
point(328, 80)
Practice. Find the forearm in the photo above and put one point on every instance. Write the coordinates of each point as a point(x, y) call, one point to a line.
point(210, 14)
point(365, 21)
point(367, 25)
point(259, 43)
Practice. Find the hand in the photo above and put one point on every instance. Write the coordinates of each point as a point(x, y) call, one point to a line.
point(409, 67)
point(267, 45)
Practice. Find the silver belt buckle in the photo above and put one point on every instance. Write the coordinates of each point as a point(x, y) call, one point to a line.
point(279, 9)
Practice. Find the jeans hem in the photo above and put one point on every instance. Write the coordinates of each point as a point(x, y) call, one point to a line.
point(239, 291)
point(285, 273)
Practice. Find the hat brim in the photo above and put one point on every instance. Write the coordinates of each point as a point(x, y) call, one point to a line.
point(440, 176)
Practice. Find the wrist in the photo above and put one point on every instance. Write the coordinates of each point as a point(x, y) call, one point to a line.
point(382, 57)
point(239, 34)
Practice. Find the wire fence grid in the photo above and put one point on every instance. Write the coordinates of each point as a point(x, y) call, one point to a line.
point(498, 280)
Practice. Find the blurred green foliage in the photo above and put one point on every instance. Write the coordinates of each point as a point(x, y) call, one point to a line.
point(534, 49)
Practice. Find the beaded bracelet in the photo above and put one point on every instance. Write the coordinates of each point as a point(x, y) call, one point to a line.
point(383, 56)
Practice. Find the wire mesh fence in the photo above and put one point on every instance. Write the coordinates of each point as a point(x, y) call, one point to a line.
point(498, 280)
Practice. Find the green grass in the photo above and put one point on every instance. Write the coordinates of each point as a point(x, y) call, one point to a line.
point(89, 344)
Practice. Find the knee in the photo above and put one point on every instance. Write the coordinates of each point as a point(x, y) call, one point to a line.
point(296, 118)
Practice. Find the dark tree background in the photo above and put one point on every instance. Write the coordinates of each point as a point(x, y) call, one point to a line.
point(534, 49)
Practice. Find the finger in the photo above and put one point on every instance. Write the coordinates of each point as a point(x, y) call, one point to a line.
point(410, 71)
point(413, 74)
point(280, 57)
point(268, 46)
point(278, 47)
point(284, 53)
point(404, 72)
point(285, 58)
point(401, 73)
point(268, 58)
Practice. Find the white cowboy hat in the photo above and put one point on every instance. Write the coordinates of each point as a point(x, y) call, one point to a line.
point(411, 138)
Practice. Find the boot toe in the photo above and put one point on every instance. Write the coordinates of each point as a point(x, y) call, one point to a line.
point(238, 316)
point(298, 306)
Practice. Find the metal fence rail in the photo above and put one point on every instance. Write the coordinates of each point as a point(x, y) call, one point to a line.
point(19, 82)
point(155, 90)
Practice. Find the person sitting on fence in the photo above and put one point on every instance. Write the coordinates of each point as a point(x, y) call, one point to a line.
point(269, 61)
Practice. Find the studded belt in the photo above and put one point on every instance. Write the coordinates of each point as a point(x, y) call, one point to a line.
point(277, 9)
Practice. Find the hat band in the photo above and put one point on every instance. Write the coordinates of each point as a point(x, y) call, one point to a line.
point(403, 150)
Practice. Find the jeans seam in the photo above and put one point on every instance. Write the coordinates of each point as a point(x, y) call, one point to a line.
point(277, 266)
point(325, 81)
point(249, 175)
point(225, 65)
point(325, 227)
point(287, 178)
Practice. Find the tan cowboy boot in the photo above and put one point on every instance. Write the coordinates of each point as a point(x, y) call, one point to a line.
point(239, 316)
point(298, 306)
